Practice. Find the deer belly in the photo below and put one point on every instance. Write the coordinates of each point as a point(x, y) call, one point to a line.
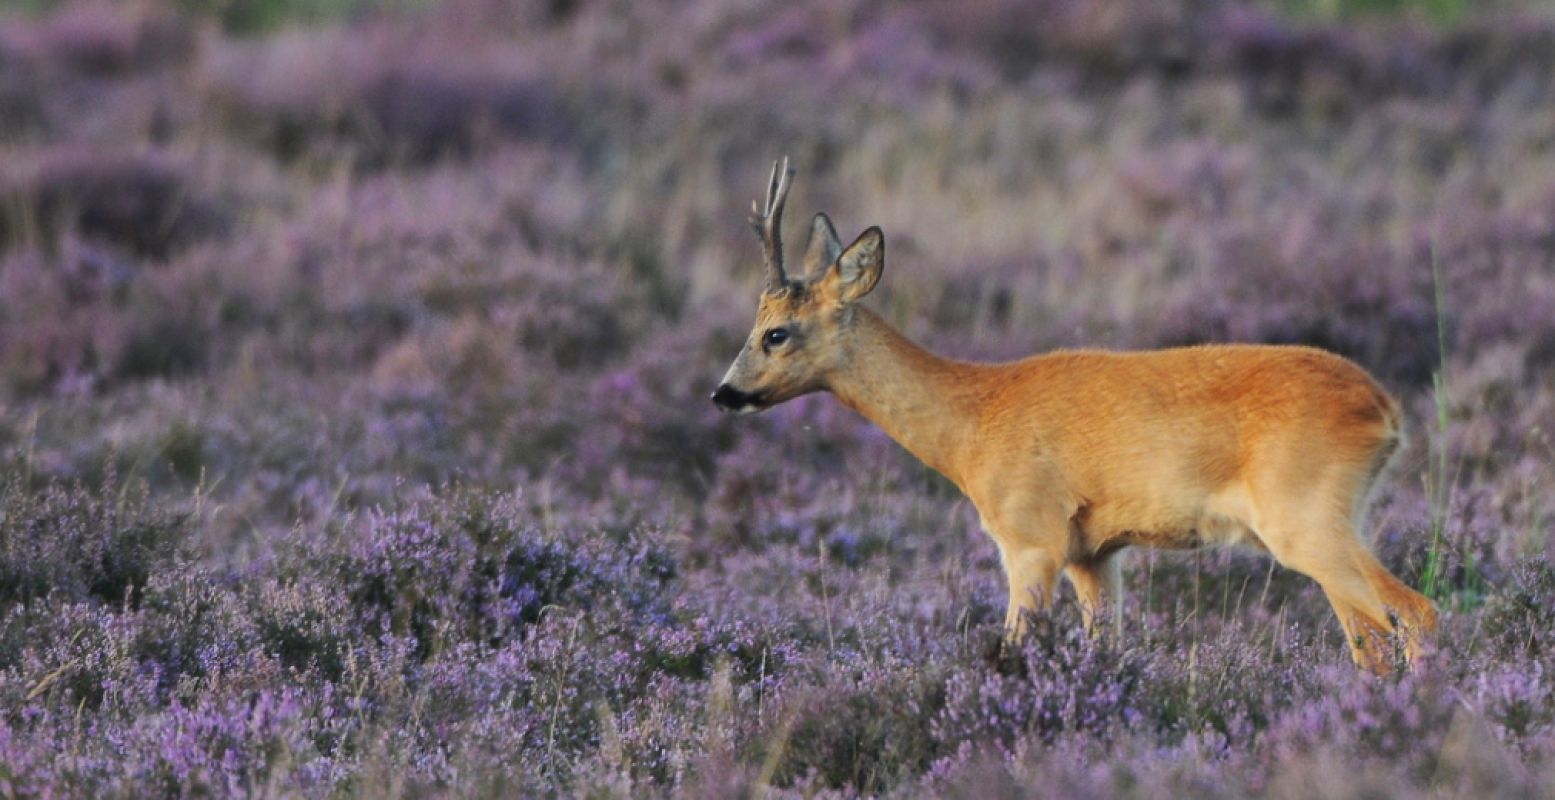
point(1218, 521)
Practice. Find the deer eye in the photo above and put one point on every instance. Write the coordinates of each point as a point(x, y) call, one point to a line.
point(774, 337)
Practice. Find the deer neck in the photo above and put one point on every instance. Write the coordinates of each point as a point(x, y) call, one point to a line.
point(925, 402)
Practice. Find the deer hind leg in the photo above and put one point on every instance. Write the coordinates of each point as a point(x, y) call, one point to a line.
point(1415, 614)
point(1098, 585)
point(1364, 595)
point(1389, 607)
point(1367, 626)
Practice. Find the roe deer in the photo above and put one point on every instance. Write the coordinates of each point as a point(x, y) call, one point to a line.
point(1072, 456)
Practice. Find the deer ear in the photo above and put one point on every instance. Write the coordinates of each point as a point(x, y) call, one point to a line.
point(824, 246)
point(857, 270)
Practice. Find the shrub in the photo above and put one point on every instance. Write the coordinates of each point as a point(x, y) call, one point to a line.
point(1520, 616)
point(79, 543)
point(1382, 317)
point(1059, 681)
point(102, 40)
point(866, 727)
point(305, 624)
point(145, 204)
point(475, 566)
point(382, 100)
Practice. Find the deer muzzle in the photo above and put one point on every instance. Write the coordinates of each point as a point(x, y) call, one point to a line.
point(729, 398)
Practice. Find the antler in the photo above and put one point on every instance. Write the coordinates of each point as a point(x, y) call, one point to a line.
point(769, 223)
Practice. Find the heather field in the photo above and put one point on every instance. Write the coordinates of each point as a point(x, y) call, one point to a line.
point(354, 365)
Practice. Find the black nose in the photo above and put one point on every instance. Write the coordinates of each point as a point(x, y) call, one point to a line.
point(724, 396)
point(729, 398)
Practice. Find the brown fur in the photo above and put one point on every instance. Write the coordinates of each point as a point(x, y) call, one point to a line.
point(1072, 456)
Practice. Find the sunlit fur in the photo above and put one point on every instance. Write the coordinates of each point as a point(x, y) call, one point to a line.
point(1072, 456)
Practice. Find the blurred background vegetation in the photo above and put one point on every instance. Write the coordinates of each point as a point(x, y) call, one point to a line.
point(257, 16)
point(354, 363)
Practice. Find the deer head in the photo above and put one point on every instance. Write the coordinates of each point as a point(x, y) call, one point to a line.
point(802, 324)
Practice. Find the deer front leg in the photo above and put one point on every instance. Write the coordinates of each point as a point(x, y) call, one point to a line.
point(1032, 574)
point(1032, 532)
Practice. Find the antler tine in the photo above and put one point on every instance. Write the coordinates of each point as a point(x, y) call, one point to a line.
point(768, 223)
point(772, 185)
